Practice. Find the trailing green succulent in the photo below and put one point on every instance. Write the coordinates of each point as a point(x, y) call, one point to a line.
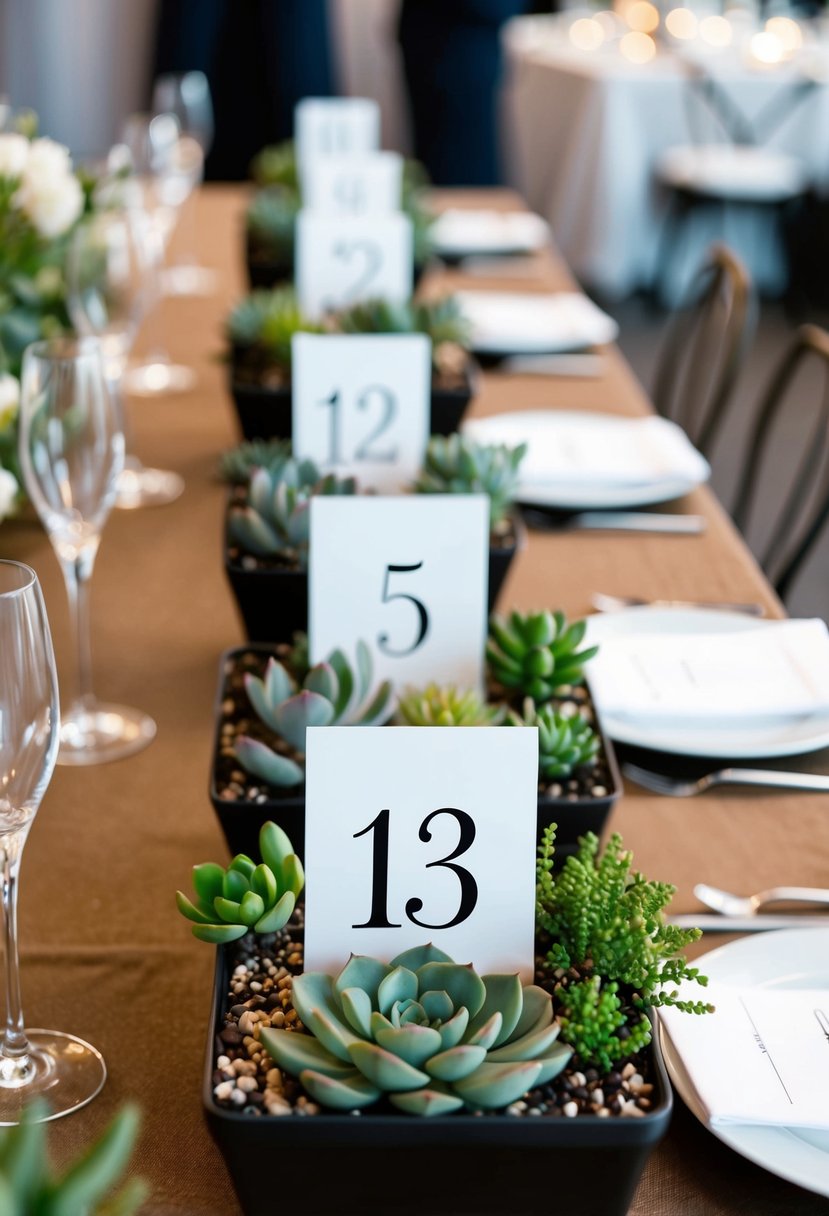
point(267, 320)
point(238, 465)
point(565, 741)
point(333, 693)
point(605, 920)
point(440, 320)
point(429, 1034)
point(591, 1017)
point(435, 705)
point(456, 465)
point(275, 521)
point(29, 1186)
point(245, 896)
point(537, 654)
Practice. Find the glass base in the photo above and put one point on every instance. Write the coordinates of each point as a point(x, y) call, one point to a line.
point(188, 280)
point(101, 732)
point(157, 377)
point(63, 1070)
point(139, 486)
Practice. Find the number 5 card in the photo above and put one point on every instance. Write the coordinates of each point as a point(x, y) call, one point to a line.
point(418, 834)
point(408, 576)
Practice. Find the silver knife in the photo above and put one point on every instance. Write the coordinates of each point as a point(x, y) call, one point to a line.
point(638, 521)
point(715, 923)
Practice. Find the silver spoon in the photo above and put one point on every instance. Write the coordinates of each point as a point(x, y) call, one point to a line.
point(746, 905)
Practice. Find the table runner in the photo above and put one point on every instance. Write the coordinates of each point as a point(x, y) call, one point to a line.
point(104, 952)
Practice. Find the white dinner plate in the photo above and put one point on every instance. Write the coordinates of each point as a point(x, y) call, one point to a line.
point(466, 233)
point(537, 323)
point(721, 740)
point(590, 493)
point(790, 958)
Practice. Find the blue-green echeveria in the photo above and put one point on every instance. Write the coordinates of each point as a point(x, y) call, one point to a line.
point(431, 1035)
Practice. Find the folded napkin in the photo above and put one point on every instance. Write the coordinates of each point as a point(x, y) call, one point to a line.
point(506, 322)
point(602, 450)
point(474, 231)
point(761, 1057)
point(775, 669)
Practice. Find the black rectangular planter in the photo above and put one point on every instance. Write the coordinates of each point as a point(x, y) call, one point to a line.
point(267, 271)
point(451, 1165)
point(241, 820)
point(265, 413)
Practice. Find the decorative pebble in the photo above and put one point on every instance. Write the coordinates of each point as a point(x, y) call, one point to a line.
point(570, 1109)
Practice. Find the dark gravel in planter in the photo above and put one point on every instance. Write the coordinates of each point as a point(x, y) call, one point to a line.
point(259, 995)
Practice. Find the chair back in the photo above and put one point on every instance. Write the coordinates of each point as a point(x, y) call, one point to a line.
point(804, 508)
point(704, 348)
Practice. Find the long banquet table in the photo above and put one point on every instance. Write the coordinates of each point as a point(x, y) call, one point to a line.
point(105, 954)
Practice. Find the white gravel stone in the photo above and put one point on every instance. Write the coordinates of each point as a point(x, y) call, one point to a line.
point(570, 1109)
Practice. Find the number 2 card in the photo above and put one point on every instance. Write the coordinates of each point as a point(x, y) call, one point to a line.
point(341, 260)
point(408, 576)
point(417, 834)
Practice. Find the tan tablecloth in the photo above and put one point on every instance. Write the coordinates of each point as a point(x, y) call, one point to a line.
point(105, 954)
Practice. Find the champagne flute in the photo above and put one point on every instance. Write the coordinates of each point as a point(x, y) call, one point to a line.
point(111, 284)
point(71, 449)
point(64, 1069)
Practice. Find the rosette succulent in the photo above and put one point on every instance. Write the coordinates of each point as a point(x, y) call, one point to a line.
point(332, 693)
point(265, 321)
point(429, 1034)
point(447, 706)
point(456, 465)
point(537, 654)
point(238, 465)
point(441, 320)
point(275, 521)
point(565, 741)
point(230, 902)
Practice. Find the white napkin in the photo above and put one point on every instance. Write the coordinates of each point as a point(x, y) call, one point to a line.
point(457, 231)
point(762, 1057)
point(602, 450)
point(778, 669)
point(515, 322)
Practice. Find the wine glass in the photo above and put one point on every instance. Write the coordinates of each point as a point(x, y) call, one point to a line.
point(71, 449)
point(112, 278)
point(186, 95)
point(64, 1069)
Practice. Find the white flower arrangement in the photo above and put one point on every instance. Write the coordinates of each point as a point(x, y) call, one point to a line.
point(9, 490)
point(49, 194)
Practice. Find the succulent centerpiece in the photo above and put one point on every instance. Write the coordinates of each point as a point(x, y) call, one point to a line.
point(271, 215)
point(433, 1055)
point(258, 334)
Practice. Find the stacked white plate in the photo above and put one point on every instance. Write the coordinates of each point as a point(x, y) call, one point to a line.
point(459, 234)
point(521, 323)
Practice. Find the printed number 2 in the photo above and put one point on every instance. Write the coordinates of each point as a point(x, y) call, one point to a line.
point(378, 916)
point(422, 614)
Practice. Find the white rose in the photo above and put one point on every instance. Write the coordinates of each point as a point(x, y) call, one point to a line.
point(52, 205)
point(9, 399)
point(14, 153)
point(8, 493)
point(46, 161)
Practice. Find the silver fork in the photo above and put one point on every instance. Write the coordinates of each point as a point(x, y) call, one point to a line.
point(765, 777)
point(747, 905)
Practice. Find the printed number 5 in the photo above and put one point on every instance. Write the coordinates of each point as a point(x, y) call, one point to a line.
point(422, 614)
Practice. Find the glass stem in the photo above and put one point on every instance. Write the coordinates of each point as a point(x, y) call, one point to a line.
point(15, 1046)
point(77, 572)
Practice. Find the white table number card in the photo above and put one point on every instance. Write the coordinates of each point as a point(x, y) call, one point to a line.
point(408, 576)
point(335, 126)
point(418, 834)
point(341, 260)
point(361, 405)
point(369, 184)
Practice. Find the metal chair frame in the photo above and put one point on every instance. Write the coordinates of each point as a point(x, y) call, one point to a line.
point(697, 336)
point(797, 528)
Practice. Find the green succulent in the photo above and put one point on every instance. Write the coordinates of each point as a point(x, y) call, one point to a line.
point(603, 919)
point(239, 464)
point(591, 1017)
point(565, 741)
point(429, 1034)
point(29, 1187)
point(245, 896)
point(270, 220)
point(440, 320)
point(446, 706)
point(537, 654)
point(456, 465)
point(276, 519)
point(333, 693)
point(276, 165)
point(267, 320)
